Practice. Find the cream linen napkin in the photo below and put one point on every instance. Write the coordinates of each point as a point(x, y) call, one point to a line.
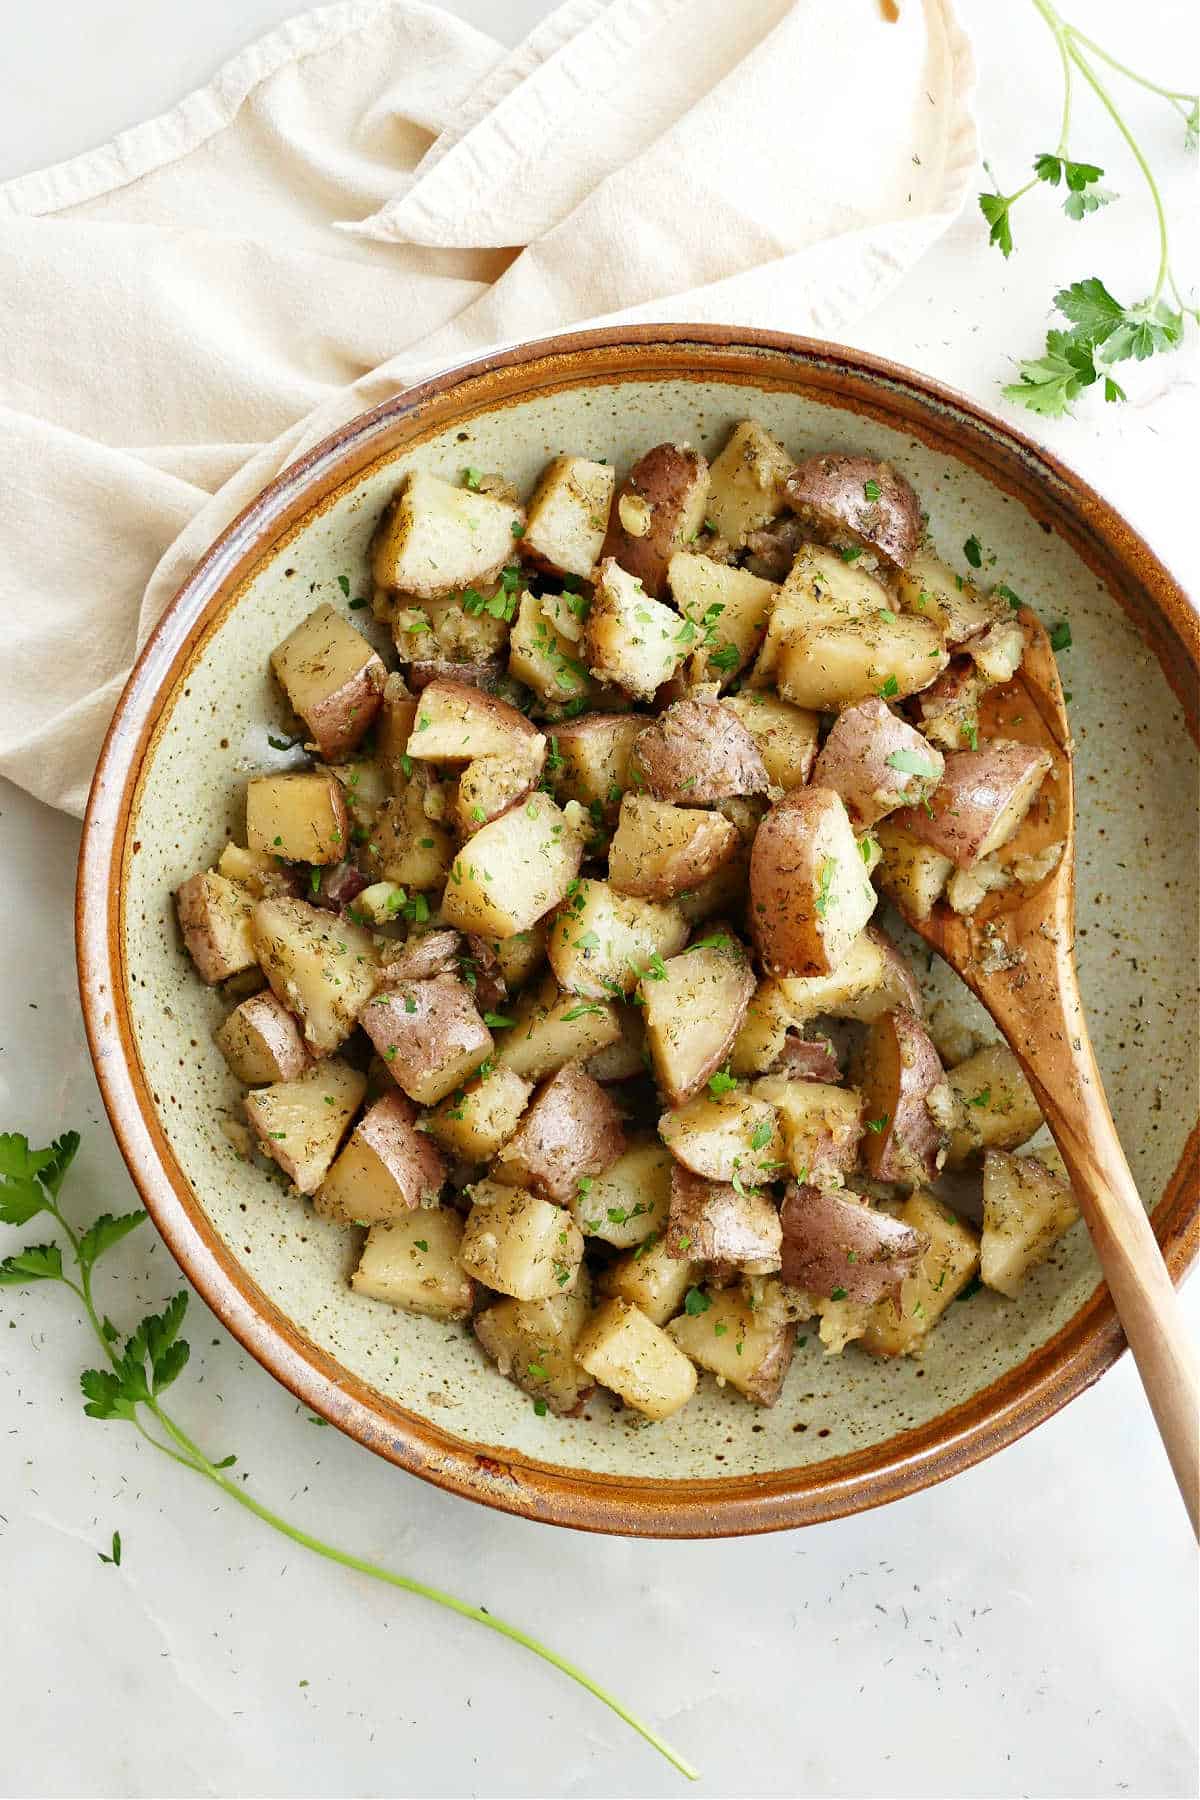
point(377, 190)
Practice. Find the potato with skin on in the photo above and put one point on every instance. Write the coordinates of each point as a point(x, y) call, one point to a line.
point(333, 679)
point(659, 850)
point(747, 482)
point(533, 1343)
point(659, 508)
point(551, 1028)
point(760, 1041)
point(948, 712)
point(299, 1124)
point(712, 1221)
point(430, 1035)
point(589, 758)
point(445, 630)
point(393, 728)
point(473, 1122)
point(822, 588)
point(750, 1347)
point(602, 940)
point(420, 957)
point(998, 652)
point(519, 1244)
point(456, 723)
point(407, 846)
point(871, 979)
point(697, 753)
point(258, 872)
point(981, 800)
point(388, 1168)
point(435, 538)
point(322, 968)
point(821, 1124)
point(412, 1263)
point(877, 762)
point(1026, 1209)
point(994, 1105)
point(570, 1132)
point(856, 502)
point(834, 1243)
point(904, 1140)
point(651, 1279)
point(930, 590)
point(911, 873)
point(514, 870)
point(623, 1350)
point(484, 673)
point(786, 735)
point(899, 1327)
point(809, 892)
point(261, 1042)
point(732, 601)
point(631, 639)
point(568, 515)
point(301, 817)
point(735, 1134)
point(215, 920)
point(519, 957)
point(542, 656)
point(491, 785)
point(828, 666)
point(630, 1202)
point(694, 1005)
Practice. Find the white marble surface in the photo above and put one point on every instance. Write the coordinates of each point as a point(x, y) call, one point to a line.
point(1029, 1628)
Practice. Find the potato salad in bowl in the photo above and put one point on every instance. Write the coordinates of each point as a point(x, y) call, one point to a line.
point(554, 967)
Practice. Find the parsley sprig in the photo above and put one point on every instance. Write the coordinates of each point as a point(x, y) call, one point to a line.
point(1101, 330)
point(135, 1373)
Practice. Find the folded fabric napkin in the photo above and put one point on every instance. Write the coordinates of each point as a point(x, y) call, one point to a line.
point(377, 190)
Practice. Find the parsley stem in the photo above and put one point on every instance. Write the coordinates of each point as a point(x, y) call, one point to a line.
point(1172, 94)
point(1107, 102)
point(195, 1458)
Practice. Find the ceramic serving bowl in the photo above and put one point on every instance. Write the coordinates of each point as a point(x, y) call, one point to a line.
point(848, 1432)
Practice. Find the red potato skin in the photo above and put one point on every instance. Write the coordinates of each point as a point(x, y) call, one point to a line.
point(343, 718)
point(711, 1222)
point(829, 493)
point(975, 788)
point(781, 882)
point(340, 885)
point(807, 1059)
point(832, 1245)
point(570, 1130)
point(771, 552)
point(696, 753)
point(444, 1016)
point(665, 477)
point(901, 971)
point(421, 958)
point(192, 910)
point(410, 1156)
point(483, 675)
point(902, 1068)
point(853, 762)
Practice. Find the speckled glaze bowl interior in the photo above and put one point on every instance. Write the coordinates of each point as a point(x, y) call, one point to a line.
point(848, 1432)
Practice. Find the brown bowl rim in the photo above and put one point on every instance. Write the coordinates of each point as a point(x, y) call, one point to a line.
point(997, 1415)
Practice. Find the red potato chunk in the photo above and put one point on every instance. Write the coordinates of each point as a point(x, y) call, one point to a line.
point(711, 1221)
point(299, 1124)
point(421, 958)
point(486, 674)
point(660, 850)
point(570, 1131)
point(261, 1041)
point(333, 679)
point(430, 1035)
point(876, 762)
point(697, 753)
point(855, 501)
point(214, 917)
point(659, 509)
point(455, 723)
point(837, 1247)
point(694, 1005)
point(980, 801)
point(904, 1141)
point(949, 710)
point(807, 1059)
point(809, 891)
point(388, 1168)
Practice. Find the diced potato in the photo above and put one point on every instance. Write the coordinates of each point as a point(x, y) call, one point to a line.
point(828, 666)
point(698, 753)
point(627, 1055)
point(601, 941)
point(332, 677)
point(998, 652)
point(513, 870)
point(533, 1343)
point(871, 980)
point(474, 1122)
point(660, 850)
point(759, 1044)
point(809, 893)
point(413, 1263)
point(714, 1222)
point(365, 786)
point(301, 817)
point(491, 785)
point(913, 875)
point(980, 801)
point(387, 1169)
point(430, 1035)
point(519, 956)
point(736, 1135)
point(551, 1028)
point(322, 968)
point(736, 605)
point(857, 503)
point(408, 846)
point(747, 482)
point(823, 588)
point(748, 1347)
point(902, 1077)
point(568, 515)
point(301, 1123)
point(520, 1244)
point(651, 1279)
point(215, 919)
point(630, 1201)
point(256, 871)
point(624, 1350)
point(470, 627)
point(821, 1126)
point(842, 1322)
point(455, 723)
point(589, 757)
point(543, 657)
point(948, 712)
point(659, 508)
point(631, 640)
point(946, 1267)
point(394, 728)
point(933, 591)
point(569, 1134)
point(694, 1006)
point(877, 762)
point(261, 1042)
point(435, 537)
point(996, 1105)
point(786, 735)
point(1026, 1209)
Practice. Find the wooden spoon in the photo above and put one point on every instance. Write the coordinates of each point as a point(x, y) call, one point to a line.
point(1016, 952)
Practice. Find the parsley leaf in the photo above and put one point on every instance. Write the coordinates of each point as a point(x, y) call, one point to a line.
point(994, 208)
point(104, 1233)
point(910, 762)
point(696, 1302)
point(1060, 636)
point(721, 1083)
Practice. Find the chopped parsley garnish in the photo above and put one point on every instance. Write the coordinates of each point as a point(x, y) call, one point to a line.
point(696, 1302)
